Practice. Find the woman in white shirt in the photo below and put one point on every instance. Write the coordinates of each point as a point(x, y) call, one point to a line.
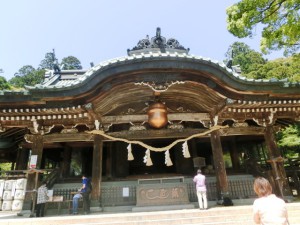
point(268, 209)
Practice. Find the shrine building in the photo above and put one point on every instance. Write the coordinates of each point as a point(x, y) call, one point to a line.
point(144, 123)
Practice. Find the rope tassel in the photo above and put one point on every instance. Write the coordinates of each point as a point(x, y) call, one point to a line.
point(147, 158)
point(185, 150)
point(168, 161)
point(130, 156)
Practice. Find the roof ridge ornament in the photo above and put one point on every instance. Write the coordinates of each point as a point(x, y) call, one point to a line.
point(157, 43)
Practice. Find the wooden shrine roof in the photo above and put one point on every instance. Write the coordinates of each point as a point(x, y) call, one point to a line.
point(115, 95)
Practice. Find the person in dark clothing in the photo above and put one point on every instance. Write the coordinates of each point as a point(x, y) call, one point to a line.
point(85, 191)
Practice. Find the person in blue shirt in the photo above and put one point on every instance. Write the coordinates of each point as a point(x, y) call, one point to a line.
point(85, 191)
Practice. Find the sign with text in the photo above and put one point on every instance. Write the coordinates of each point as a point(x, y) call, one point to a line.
point(33, 161)
point(125, 192)
point(161, 194)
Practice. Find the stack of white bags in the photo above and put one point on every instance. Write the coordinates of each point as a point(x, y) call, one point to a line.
point(12, 194)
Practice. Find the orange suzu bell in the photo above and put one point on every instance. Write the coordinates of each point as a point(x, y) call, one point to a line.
point(157, 115)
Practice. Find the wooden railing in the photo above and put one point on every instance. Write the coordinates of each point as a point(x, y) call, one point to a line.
point(239, 188)
point(112, 193)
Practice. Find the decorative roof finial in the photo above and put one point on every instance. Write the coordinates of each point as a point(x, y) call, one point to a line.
point(157, 43)
point(158, 32)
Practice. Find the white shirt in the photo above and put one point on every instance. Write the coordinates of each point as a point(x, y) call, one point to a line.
point(270, 210)
point(199, 179)
point(42, 194)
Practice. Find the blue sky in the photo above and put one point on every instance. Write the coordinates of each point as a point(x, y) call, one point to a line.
point(97, 30)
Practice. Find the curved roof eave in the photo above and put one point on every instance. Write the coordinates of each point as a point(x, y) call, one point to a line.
point(218, 69)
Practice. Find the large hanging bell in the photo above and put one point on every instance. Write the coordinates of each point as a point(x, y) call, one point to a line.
point(157, 115)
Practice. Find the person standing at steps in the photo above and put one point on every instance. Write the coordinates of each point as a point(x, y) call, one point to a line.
point(199, 180)
point(42, 198)
point(84, 193)
point(268, 209)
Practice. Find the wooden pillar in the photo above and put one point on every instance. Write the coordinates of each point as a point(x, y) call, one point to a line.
point(36, 149)
point(275, 159)
point(222, 183)
point(67, 154)
point(97, 167)
point(121, 165)
point(22, 159)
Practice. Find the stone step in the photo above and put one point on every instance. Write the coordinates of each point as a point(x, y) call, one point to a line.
point(214, 216)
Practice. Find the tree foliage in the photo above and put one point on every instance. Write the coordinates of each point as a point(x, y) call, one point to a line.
point(284, 68)
point(27, 75)
point(289, 140)
point(4, 85)
point(242, 55)
point(71, 63)
point(253, 65)
point(280, 19)
point(5, 167)
point(48, 62)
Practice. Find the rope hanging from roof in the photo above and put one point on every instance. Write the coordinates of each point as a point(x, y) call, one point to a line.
point(161, 149)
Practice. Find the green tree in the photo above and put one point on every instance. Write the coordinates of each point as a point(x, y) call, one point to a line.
point(27, 75)
point(288, 139)
point(241, 54)
point(284, 68)
point(48, 62)
point(5, 167)
point(4, 85)
point(280, 20)
point(71, 63)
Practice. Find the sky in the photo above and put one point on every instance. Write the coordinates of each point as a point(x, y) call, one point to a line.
point(99, 30)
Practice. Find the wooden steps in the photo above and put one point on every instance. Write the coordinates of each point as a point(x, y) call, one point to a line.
point(241, 215)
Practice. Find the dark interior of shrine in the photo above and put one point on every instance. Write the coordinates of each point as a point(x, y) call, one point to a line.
point(241, 154)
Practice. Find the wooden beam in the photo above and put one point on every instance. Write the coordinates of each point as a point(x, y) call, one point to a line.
point(232, 131)
point(53, 140)
point(27, 145)
point(58, 137)
point(140, 118)
point(156, 134)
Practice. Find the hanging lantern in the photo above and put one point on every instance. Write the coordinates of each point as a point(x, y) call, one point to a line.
point(157, 115)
